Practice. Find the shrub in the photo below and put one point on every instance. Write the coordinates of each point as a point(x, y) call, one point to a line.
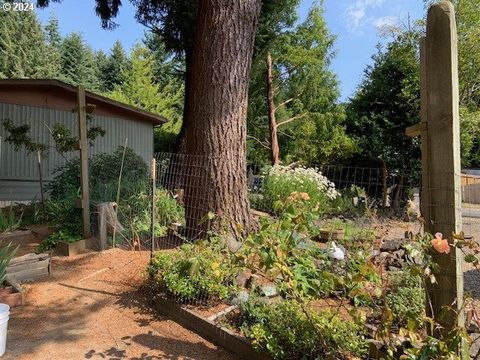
point(61, 235)
point(286, 331)
point(104, 170)
point(62, 212)
point(167, 209)
point(136, 212)
point(406, 298)
point(199, 271)
point(9, 221)
point(281, 181)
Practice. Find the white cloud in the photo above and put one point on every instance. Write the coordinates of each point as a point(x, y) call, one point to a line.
point(357, 12)
point(385, 22)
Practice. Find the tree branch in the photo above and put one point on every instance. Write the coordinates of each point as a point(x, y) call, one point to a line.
point(266, 145)
point(291, 119)
point(284, 103)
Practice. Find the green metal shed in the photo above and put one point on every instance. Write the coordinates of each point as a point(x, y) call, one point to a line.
point(42, 103)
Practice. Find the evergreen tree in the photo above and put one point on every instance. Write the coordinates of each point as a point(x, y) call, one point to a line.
point(78, 66)
point(113, 71)
point(23, 48)
point(52, 32)
point(388, 101)
point(101, 59)
point(165, 66)
point(139, 89)
point(310, 122)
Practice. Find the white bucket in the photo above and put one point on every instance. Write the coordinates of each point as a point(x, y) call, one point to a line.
point(4, 316)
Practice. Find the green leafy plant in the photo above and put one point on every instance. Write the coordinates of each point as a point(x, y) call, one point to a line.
point(6, 255)
point(280, 182)
point(316, 335)
point(9, 221)
point(200, 271)
point(61, 235)
point(104, 170)
point(406, 297)
point(167, 209)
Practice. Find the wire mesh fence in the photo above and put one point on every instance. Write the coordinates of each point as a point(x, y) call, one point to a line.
point(179, 201)
point(359, 205)
point(371, 207)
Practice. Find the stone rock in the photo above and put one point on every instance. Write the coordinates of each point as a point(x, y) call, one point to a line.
point(268, 290)
point(384, 255)
point(233, 245)
point(240, 298)
point(392, 245)
point(243, 278)
point(393, 268)
point(399, 253)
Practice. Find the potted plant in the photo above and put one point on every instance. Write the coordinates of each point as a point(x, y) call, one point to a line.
point(331, 234)
point(8, 294)
point(64, 241)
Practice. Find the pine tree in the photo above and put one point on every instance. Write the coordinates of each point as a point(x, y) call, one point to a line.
point(23, 48)
point(52, 32)
point(101, 59)
point(115, 67)
point(139, 89)
point(165, 66)
point(309, 122)
point(78, 65)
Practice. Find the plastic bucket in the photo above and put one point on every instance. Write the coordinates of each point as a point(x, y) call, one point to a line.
point(4, 316)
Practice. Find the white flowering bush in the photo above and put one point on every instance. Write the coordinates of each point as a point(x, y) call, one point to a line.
point(281, 181)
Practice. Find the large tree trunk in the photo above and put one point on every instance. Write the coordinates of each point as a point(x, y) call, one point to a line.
point(179, 146)
point(222, 57)
point(272, 121)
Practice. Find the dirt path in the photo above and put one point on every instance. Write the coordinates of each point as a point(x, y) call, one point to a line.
point(91, 308)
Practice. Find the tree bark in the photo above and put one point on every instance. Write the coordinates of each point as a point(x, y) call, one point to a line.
point(272, 121)
point(179, 146)
point(222, 56)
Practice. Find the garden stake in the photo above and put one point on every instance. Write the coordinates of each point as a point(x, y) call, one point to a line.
point(117, 200)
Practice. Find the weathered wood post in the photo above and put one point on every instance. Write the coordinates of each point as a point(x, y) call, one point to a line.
point(441, 198)
point(443, 154)
point(83, 145)
point(153, 178)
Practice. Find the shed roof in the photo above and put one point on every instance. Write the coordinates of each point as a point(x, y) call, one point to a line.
point(44, 85)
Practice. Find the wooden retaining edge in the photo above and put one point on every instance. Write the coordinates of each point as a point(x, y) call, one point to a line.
point(208, 330)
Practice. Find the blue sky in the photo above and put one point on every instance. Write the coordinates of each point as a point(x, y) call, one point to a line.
point(354, 22)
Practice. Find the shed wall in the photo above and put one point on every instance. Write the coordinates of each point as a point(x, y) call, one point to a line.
point(18, 170)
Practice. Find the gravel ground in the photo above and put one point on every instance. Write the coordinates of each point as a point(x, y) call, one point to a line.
point(91, 308)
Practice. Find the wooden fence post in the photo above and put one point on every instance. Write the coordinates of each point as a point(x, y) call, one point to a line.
point(153, 176)
point(443, 156)
point(83, 145)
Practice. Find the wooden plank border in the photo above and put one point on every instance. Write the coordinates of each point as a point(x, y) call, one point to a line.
point(207, 329)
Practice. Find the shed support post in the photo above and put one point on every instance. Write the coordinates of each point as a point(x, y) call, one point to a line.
point(83, 145)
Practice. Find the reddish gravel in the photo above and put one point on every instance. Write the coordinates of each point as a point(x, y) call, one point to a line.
point(91, 308)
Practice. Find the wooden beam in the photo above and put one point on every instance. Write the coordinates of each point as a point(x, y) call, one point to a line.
point(444, 190)
point(83, 144)
point(416, 130)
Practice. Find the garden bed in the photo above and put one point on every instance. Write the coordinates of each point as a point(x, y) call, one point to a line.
point(64, 248)
point(288, 296)
point(208, 329)
point(29, 267)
